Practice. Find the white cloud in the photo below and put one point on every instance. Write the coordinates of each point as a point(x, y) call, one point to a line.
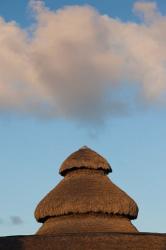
point(78, 64)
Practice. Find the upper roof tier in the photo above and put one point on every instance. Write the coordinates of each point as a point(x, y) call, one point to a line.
point(87, 159)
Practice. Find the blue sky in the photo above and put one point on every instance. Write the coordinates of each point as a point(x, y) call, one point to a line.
point(33, 147)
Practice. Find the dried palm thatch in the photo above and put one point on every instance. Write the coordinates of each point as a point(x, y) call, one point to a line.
point(85, 191)
point(84, 158)
point(82, 223)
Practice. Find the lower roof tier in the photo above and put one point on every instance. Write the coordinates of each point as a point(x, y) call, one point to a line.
point(82, 241)
point(82, 223)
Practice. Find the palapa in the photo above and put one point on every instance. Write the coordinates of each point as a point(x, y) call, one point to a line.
point(86, 199)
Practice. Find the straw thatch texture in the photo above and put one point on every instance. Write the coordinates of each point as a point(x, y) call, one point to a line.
point(84, 158)
point(85, 192)
point(86, 241)
point(82, 223)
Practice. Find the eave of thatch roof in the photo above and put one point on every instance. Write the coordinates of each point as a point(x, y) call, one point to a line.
point(84, 158)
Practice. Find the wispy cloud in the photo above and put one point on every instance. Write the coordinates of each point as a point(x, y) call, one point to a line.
point(76, 63)
point(16, 220)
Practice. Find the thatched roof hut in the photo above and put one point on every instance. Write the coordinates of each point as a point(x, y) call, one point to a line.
point(86, 200)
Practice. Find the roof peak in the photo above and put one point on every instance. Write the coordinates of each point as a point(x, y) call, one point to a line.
point(85, 158)
point(84, 147)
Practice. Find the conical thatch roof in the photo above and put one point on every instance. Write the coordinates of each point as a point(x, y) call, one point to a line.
point(84, 191)
point(84, 158)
